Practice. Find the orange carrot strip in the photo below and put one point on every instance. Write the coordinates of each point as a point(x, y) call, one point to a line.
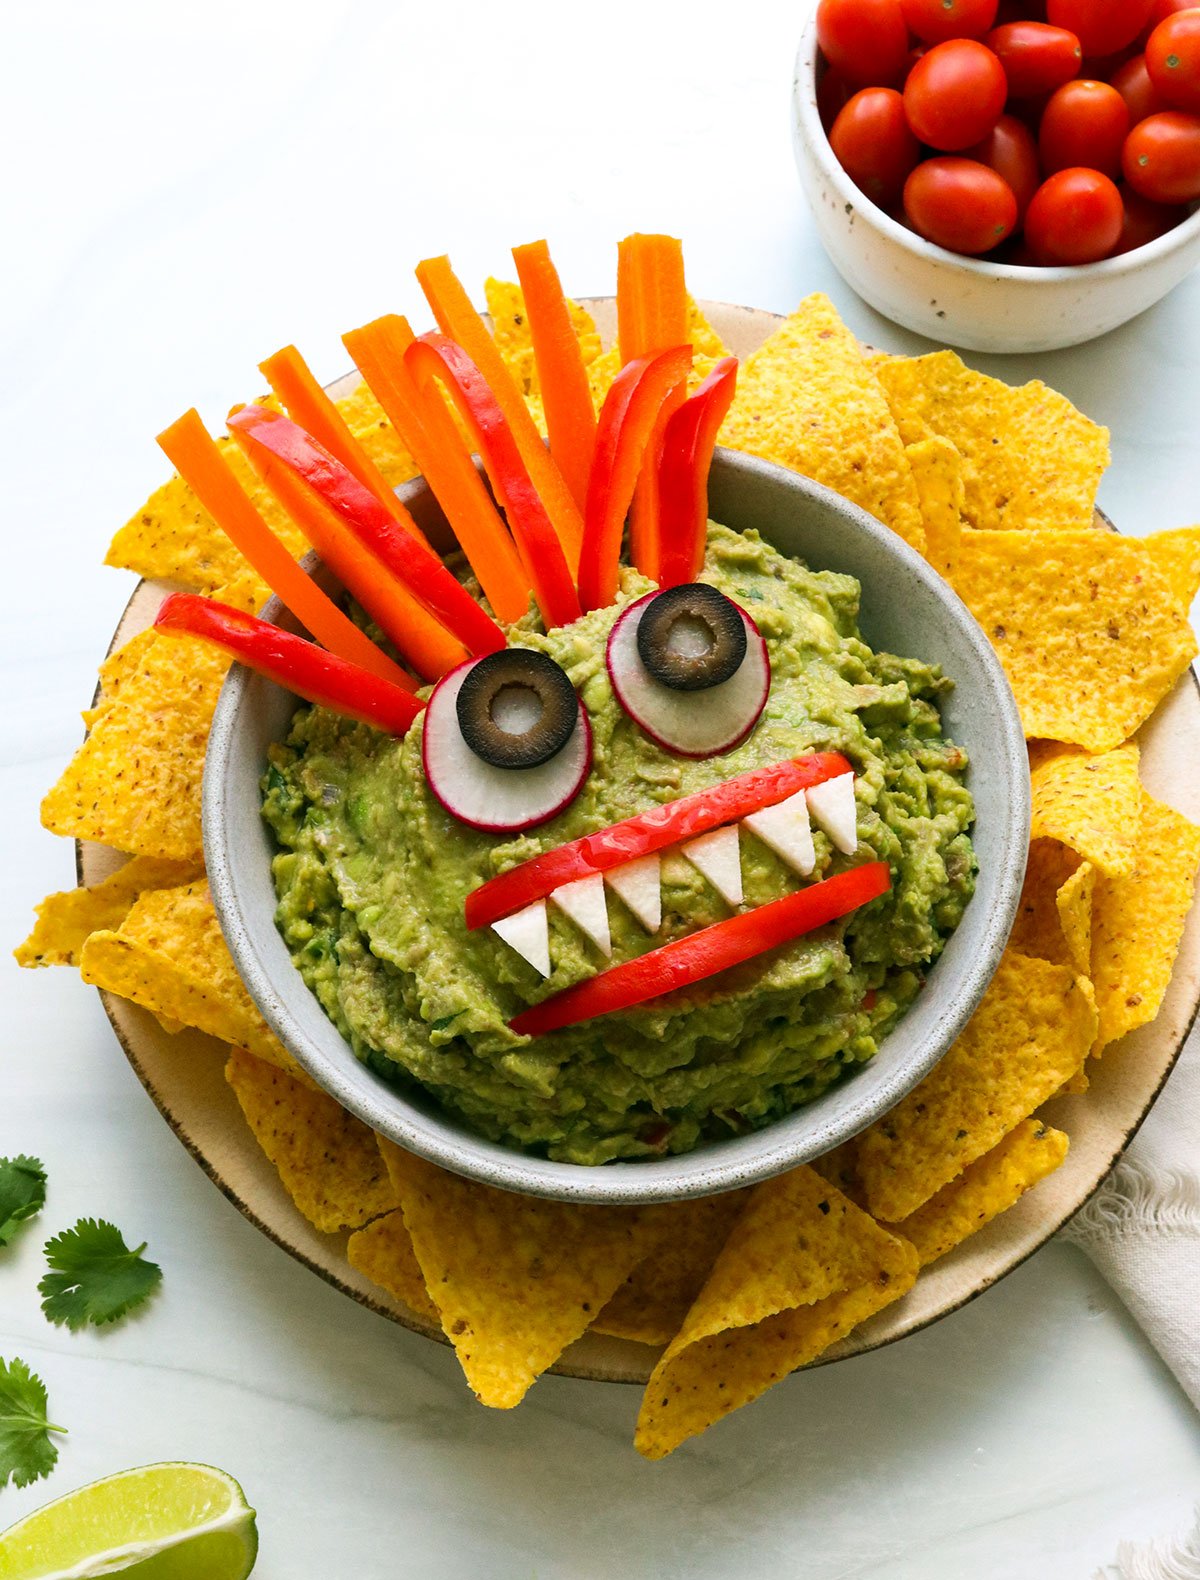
point(197, 458)
point(457, 318)
point(566, 395)
point(424, 423)
point(311, 409)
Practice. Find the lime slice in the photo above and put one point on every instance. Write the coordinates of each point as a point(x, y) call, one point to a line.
point(160, 1522)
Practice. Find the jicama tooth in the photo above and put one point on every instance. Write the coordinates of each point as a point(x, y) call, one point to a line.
point(718, 857)
point(833, 810)
point(583, 902)
point(785, 829)
point(639, 884)
point(528, 932)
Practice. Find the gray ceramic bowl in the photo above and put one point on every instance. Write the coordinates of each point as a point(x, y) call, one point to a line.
point(906, 608)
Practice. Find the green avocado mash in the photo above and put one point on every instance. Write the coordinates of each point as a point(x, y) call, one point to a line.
point(372, 874)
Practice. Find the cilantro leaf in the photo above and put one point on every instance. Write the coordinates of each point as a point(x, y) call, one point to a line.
point(22, 1193)
point(94, 1275)
point(26, 1452)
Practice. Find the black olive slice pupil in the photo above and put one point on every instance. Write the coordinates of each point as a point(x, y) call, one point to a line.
point(691, 637)
point(517, 708)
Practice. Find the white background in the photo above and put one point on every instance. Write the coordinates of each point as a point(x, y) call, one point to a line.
point(186, 187)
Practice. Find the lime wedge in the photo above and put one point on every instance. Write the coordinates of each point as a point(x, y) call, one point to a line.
point(160, 1522)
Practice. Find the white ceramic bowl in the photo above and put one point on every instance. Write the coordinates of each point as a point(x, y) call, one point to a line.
point(961, 301)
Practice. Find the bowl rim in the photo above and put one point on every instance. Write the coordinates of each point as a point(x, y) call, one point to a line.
point(804, 99)
point(730, 1164)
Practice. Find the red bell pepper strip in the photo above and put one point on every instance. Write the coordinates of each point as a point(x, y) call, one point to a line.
point(689, 440)
point(292, 661)
point(397, 550)
point(705, 953)
point(647, 832)
point(627, 422)
point(436, 356)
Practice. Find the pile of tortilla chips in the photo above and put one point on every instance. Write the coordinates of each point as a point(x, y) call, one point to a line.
point(996, 486)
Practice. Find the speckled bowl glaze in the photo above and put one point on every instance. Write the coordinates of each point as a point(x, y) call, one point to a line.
point(967, 302)
point(906, 608)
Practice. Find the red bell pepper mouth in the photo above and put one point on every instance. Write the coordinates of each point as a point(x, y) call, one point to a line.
point(649, 831)
point(708, 952)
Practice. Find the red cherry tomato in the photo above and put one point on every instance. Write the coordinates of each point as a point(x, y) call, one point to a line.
point(1036, 58)
point(1085, 123)
point(1145, 221)
point(1010, 150)
point(1075, 217)
point(832, 93)
point(935, 21)
point(874, 145)
point(960, 204)
point(954, 94)
point(1102, 26)
point(1133, 83)
point(865, 40)
point(1173, 61)
point(1162, 157)
point(1160, 10)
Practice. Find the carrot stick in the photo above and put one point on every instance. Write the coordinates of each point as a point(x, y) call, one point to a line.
point(310, 407)
point(566, 395)
point(457, 318)
point(197, 458)
point(424, 423)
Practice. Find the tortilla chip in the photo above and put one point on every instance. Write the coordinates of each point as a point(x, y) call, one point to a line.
point(1031, 1032)
point(1177, 555)
point(651, 1304)
point(937, 472)
point(1076, 1086)
point(1030, 460)
point(1091, 803)
point(65, 921)
point(1084, 624)
point(383, 1252)
point(840, 1167)
point(807, 400)
point(801, 1267)
point(991, 1185)
point(326, 1159)
point(371, 426)
point(706, 342)
point(1037, 928)
point(510, 330)
point(515, 1278)
point(1074, 902)
point(1137, 921)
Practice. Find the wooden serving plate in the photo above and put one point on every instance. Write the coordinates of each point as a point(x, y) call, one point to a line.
point(184, 1073)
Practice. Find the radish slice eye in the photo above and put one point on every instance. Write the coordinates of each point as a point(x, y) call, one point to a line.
point(698, 679)
point(510, 712)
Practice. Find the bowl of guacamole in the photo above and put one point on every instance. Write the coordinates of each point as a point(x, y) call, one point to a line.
point(340, 880)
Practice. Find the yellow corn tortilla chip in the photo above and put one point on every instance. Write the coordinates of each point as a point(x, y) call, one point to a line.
point(706, 342)
point(840, 1167)
point(64, 921)
point(1031, 1032)
point(1090, 802)
point(1084, 624)
point(1137, 921)
point(937, 472)
point(1037, 928)
point(800, 1267)
point(515, 1278)
point(371, 426)
point(1177, 555)
point(1030, 460)
point(120, 666)
point(1076, 1086)
point(327, 1161)
point(1074, 902)
point(652, 1302)
point(807, 400)
point(383, 1252)
point(991, 1185)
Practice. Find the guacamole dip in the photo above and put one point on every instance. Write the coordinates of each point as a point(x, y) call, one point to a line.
point(372, 874)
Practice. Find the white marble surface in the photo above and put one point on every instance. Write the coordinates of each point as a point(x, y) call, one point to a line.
point(186, 187)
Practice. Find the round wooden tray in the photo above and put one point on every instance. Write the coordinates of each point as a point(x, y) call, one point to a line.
point(184, 1073)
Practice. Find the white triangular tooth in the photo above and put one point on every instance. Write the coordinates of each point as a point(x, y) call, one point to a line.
point(639, 884)
point(784, 828)
point(833, 810)
point(718, 857)
point(583, 902)
point(528, 932)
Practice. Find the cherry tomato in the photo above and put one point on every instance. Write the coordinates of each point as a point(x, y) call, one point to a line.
point(960, 204)
point(1133, 83)
point(1075, 217)
point(1036, 58)
point(1101, 26)
point(1085, 123)
point(1162, 157)
point(865, 40)
point(874, 145)
point(832, 93)
point(935, 21)
point(1173, 61)
point(1010, 150)
point(1160, 10)
point(1145, 221)
point(954, 95)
